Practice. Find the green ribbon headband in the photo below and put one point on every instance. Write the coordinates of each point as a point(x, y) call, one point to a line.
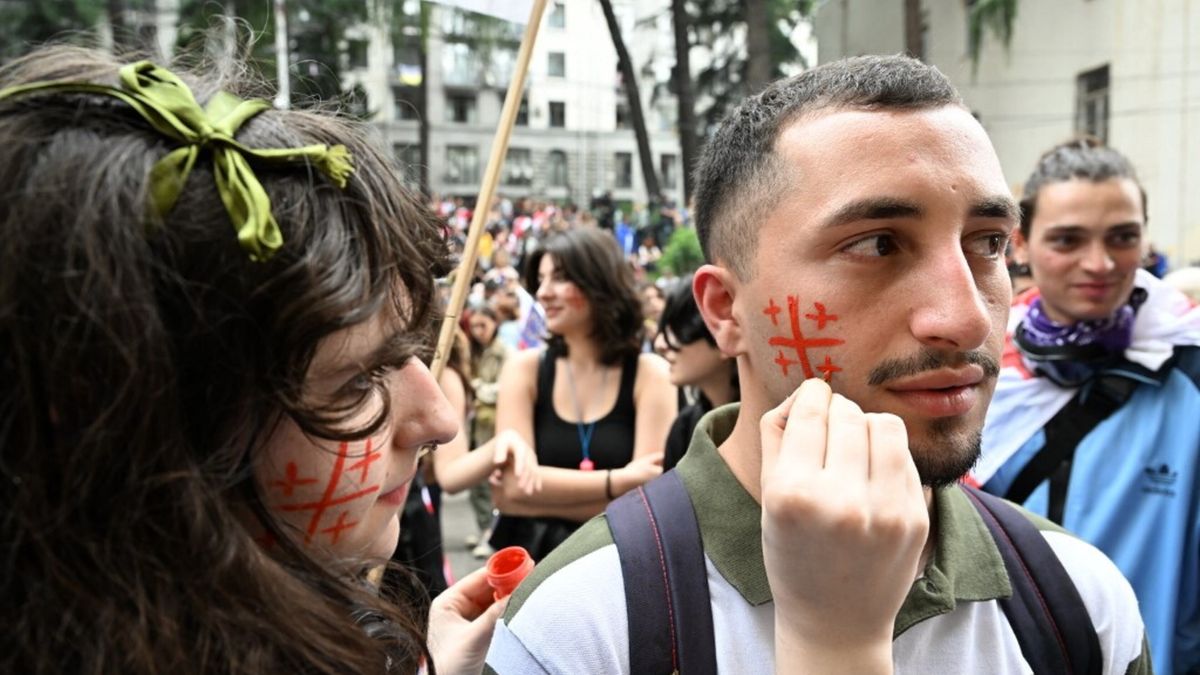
point(168, 105)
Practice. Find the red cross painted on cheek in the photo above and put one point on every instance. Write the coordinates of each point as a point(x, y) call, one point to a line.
point(334, 531)
point(364, 464)
point(821, 317)
point(318, 509)
point(773, 311)
point(799, 344)
point(291, 481)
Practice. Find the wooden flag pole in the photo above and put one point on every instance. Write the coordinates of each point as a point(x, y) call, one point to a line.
point(466, 268)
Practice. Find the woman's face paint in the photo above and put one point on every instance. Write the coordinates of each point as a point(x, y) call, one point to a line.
point(565, 305)
point(793, 346)
point(343, 498)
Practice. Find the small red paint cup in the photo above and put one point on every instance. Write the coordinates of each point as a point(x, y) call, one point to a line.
point(506, 569)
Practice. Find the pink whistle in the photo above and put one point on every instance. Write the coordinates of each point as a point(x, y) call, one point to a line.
point(506, 569)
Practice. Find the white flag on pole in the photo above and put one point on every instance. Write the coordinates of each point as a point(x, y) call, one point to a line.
point(516, 11)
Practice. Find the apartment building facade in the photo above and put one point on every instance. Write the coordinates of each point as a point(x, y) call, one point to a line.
point(572, 138)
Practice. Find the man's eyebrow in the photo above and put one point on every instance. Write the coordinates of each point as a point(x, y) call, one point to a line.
point(872, 208)
point(997, 207)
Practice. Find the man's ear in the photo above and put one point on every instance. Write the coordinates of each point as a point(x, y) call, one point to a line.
point(715, 288)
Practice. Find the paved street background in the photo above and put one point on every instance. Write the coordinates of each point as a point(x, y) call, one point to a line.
point(457, 522)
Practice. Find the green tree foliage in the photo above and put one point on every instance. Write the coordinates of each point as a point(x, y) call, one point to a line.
point(683, 254)
point(316, 38)
point(29, 22)
point(715, 23)
point(994, 16)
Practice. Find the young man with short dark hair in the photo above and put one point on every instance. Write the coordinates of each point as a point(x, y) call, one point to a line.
point(855, 219)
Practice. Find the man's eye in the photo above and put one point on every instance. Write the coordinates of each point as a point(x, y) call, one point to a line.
point(989, 246)
point(878, 245)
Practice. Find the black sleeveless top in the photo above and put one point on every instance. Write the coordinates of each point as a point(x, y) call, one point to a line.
point(557, 440)
point(557, 443)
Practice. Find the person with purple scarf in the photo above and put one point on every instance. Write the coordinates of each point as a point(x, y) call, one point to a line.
point(1094, 420)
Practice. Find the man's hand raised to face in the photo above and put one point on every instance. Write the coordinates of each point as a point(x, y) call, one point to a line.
point(844, 523)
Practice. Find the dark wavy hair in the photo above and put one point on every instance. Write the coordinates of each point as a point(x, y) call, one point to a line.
point(591, 259)
point(142, 362)
point(740, 178)
point(1084, 158)
point(681, 315)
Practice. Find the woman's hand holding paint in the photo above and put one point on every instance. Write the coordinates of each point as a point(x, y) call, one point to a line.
point(461, 621)
point(844, 523)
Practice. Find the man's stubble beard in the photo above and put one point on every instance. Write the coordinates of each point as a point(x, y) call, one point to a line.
point(947, 455)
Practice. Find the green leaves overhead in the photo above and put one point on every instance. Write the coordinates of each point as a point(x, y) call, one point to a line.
point(983, 16)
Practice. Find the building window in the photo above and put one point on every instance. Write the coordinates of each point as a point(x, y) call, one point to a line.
point(1091, 103)
point(557, 65)
point(558, 114)
point(405, 100)
point(356, 50)
point(462, 164)
point(409, 159)
point(556, 168)
point(500, 66)
point(461, 65)
point(623, 114)
point(460, 108)
point(623, 170)
point(523, 113)
point(558, 15)
point(669, 168)
point(518, 167)
point(407, 65)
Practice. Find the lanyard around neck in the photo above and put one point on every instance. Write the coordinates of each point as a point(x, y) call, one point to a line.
point(586, 431)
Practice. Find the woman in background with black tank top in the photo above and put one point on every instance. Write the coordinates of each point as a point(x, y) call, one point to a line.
point(595, 408)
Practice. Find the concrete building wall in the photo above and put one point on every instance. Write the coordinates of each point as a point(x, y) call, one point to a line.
point(1025, 96)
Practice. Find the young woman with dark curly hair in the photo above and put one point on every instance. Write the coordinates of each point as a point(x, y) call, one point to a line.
point(211, 396)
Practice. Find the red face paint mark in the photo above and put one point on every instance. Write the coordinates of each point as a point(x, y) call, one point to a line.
point(821, 317)
point(290, 480)
point(327, 501)
point(798, 342)
point(773, 311)
point(574, 298)
point(364, 464)
point(828, 369)
point(334, 531)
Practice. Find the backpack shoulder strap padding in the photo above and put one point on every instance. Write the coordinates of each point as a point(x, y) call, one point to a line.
point(1045, 611)
point(666, 580)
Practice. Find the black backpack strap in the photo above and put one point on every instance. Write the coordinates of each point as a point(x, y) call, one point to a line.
point(1090, 406)
point(1045, 611)
point(666, 581)
point(1187, 360)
